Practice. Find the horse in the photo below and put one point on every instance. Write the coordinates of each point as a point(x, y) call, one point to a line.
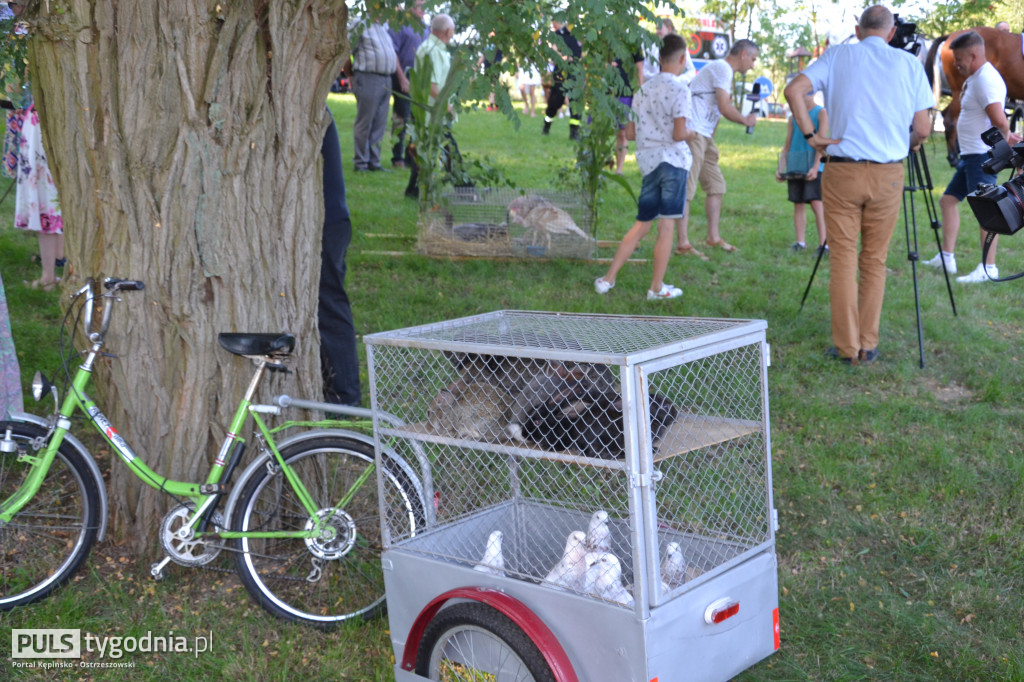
point(1002, 49)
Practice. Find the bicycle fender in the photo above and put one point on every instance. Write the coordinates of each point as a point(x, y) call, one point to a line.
point(391, 456)
point(76, 444)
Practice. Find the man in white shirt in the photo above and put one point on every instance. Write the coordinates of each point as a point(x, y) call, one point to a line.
point(981, 107)
point(877, 98)
point(433, 51)
point(712, 100)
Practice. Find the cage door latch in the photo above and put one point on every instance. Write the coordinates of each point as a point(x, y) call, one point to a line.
point(641, 480)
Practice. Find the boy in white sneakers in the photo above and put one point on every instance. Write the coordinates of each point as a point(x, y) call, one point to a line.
point(660, 110)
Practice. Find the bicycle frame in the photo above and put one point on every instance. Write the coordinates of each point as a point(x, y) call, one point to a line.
point(301, 518)
point(202, 495)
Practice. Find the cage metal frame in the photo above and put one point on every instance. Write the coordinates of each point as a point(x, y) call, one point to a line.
point(663, 344)
point(489, 333)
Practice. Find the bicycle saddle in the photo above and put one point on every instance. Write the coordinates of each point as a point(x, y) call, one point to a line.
point(275, 345)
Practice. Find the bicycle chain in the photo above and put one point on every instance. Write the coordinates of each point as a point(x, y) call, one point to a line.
point(218, 569)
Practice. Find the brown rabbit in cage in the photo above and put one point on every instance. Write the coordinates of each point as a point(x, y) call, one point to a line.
point(476, 410)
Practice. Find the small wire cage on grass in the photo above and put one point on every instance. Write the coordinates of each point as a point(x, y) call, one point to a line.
point(612, 474)
point(507, 223)
point(541, 413)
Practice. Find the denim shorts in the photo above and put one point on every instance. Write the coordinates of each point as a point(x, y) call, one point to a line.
point(662, 194)
point(967, 176)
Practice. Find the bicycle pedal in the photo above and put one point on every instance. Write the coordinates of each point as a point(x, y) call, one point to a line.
point(156, 570)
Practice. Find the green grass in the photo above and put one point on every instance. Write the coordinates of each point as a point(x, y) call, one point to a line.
point(900, 490)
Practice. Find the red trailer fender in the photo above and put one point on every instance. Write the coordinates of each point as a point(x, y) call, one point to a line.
point(512, 608)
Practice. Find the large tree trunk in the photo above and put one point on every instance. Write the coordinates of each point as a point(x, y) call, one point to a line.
point(185, 138)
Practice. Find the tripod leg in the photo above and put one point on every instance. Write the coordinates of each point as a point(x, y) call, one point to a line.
point(917, 306)
point(821, 252)
point(924, 180)
point(910, 223)
point(945, 272)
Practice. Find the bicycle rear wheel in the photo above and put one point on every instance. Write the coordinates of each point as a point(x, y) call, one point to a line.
point(48, 540)
point(320, 581)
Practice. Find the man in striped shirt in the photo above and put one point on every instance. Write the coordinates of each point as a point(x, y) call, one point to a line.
point(374, 61)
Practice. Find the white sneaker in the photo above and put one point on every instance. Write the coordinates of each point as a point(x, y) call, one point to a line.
point(667, 291)
point(937, 262)
point(602, 287)
point(979, 274)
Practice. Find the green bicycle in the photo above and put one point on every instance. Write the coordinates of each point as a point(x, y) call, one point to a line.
point(303, 519)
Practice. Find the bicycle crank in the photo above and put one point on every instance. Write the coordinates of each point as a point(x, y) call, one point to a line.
point(184, 548)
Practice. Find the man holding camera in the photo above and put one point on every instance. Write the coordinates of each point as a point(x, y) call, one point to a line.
point(863, 180)
point(981, 108)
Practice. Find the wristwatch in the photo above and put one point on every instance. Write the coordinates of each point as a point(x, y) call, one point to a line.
point(809, 135)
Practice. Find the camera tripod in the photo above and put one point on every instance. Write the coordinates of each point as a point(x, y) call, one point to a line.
point(918, 179)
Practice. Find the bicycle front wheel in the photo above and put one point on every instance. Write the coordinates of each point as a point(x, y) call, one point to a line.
point(48, 540)
point(320, 581)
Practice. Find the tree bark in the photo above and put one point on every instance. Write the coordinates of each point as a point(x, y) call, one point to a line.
point(184, 137)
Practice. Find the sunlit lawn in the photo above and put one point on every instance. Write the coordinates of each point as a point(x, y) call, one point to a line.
point(900, 489)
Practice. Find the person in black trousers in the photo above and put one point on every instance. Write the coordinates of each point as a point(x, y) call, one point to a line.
point(570, 49)
point(339, 360)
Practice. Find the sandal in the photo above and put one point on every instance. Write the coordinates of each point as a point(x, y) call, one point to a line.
point(688, 250)
point(722, 244)
point(40, 285)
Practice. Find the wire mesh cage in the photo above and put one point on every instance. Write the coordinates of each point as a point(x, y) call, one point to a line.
point(507, 223)
point(618, 458)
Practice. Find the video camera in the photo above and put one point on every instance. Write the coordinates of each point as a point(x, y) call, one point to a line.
point(905, 37)
point(1000, 208)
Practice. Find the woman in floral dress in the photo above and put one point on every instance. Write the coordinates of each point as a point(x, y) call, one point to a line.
point(36, 206)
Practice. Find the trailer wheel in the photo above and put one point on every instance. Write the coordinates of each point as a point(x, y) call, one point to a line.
point(466, 640)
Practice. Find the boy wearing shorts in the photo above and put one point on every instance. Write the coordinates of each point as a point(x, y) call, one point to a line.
point(660, 110)
point(800, 165)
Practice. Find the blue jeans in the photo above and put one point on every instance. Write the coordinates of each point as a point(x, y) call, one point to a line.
point(662, 193)
point(967, 176)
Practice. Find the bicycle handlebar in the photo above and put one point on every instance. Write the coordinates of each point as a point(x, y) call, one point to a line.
point(114, 284)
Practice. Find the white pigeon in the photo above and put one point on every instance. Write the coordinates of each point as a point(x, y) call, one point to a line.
point(594, 568)
point(571, 569)
point(673, 567)
point(493, 561)
point(606, 577)
point(599, 537)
